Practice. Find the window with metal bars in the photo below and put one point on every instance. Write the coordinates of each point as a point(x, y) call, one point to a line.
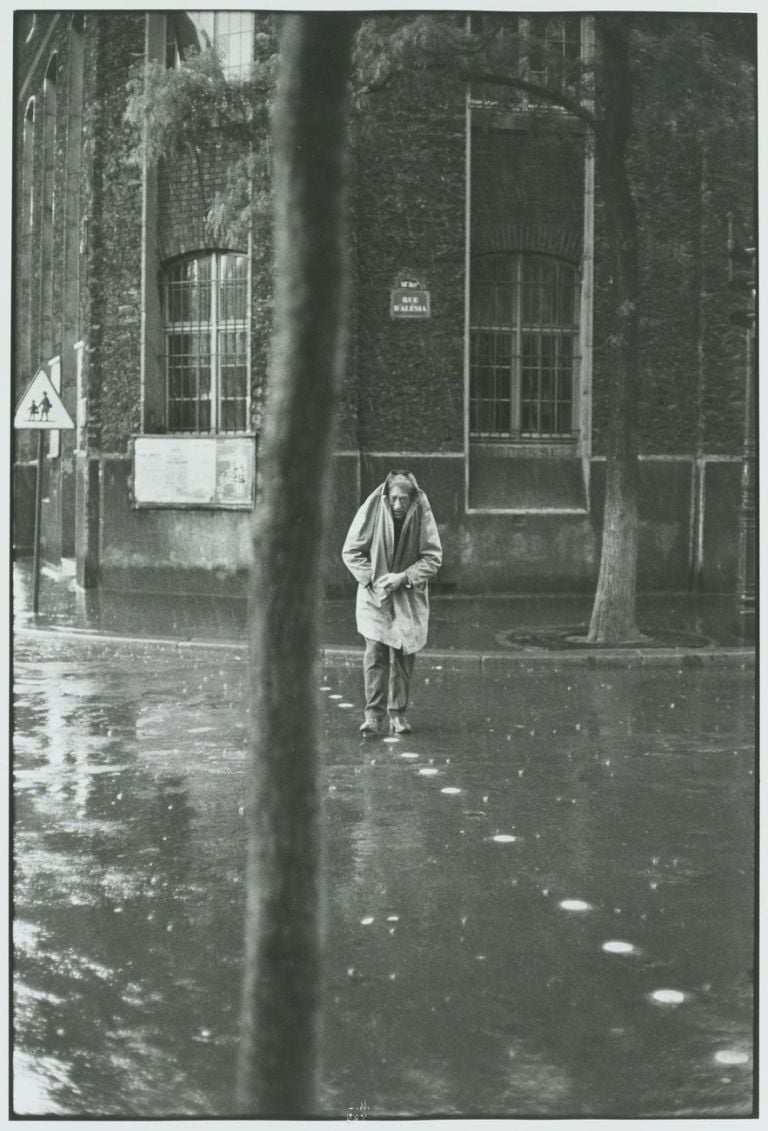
point(553, 50)
point(205, 305)
point(229, 33)
point(523, 347)
point(544, 49)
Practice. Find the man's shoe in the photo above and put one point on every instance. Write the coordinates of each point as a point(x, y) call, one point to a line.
point(398, 724)
point(371, 724)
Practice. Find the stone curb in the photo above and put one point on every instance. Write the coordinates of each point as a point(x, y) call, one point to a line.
point(543, 657)
point(53, 632)
point(463, 659)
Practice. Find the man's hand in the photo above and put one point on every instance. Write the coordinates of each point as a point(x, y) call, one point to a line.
point(391, 581)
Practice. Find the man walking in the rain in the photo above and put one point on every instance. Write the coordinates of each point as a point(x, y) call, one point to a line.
point(392, 549)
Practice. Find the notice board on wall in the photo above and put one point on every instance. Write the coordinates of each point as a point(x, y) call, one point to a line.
point(193, 471)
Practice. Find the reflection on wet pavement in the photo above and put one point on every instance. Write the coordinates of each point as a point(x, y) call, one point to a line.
point(540, 905)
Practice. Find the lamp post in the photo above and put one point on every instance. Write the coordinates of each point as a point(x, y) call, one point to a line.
point(743, 278)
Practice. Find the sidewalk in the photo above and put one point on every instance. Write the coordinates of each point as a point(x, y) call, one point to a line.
point(484, 630)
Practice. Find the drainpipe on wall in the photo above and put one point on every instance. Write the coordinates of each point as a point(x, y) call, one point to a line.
point(696, 539)
point(467, 279)
point(698, 463)
point(586, 313)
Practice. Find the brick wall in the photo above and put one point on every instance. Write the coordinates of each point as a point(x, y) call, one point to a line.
point(186, 188)
point(527, 188)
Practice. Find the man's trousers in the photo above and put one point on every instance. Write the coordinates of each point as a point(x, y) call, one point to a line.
point(387, 673)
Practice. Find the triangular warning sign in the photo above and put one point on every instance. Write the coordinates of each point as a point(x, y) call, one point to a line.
point(41, 406)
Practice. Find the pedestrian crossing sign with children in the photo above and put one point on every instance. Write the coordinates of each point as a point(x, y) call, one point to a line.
point(41, 406)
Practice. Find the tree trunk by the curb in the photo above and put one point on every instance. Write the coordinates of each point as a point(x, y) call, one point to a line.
point(614, 614)
point(278, 1064)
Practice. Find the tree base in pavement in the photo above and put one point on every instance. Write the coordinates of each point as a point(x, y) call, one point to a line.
point(575, 636)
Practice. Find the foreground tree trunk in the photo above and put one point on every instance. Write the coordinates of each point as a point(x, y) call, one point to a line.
point(281, 988)
point(614, 617)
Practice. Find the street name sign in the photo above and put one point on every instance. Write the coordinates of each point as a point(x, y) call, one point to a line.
point(408, 298)
point(41, 407)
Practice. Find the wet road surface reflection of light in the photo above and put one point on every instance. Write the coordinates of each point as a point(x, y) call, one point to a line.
point(668, 997)
point(732, 1056)
point(615, 946)
point(462, 976)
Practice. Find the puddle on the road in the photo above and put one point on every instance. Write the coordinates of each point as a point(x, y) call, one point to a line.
point(335, 696)
point(345, 705)
point(428, 772)
point(452, 789)
point(668, 997)
point(366, 922)
point(408, 754)
point(575, 905)
point(731, 1056)
point(616, 946)
point(503, 838)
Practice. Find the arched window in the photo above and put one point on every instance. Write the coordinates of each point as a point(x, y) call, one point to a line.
point(27, 198)
point(205, 308)
point(73, 178)
point(27, 160)
point(48, 217)
point(523, 347)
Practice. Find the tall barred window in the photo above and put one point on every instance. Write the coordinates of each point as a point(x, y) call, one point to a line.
point(523, 347)
point(205, 305)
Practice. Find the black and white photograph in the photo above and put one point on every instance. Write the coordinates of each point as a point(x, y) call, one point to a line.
point(382, 571)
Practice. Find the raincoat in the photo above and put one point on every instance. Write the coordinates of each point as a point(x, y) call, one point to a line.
point(401, 618)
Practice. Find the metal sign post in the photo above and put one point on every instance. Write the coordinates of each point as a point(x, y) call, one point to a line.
point(41, 410)
point(38, 515)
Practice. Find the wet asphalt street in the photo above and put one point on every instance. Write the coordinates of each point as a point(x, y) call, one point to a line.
point(539, 904)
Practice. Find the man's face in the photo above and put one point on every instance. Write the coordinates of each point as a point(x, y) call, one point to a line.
point(399, 500)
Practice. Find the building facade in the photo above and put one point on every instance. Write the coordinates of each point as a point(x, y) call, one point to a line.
point(479, 324)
